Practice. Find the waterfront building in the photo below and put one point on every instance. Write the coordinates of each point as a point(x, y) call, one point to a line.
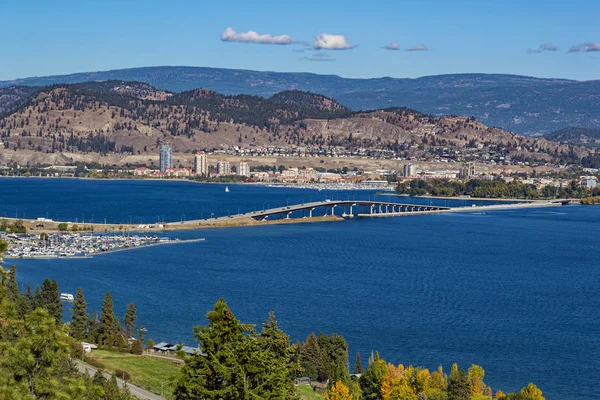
point(201, 164)
point(589, 182)
point(308, 175)
point(166, 158)
point(243, 169)
point(223, 167)
point(178, 172)
point(261, 176)
point(467, 171)
point(141, 171)
point(409, 170)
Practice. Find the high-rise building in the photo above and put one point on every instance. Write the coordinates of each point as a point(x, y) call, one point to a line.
point(223, 167)
point(243, 169)
point(409, 170)
point(166, 158)
point(467, 171)
point(201, 163)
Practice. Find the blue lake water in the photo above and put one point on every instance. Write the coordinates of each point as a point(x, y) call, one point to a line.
point(514, 291)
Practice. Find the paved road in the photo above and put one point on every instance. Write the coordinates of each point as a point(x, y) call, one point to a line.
point(135, 391)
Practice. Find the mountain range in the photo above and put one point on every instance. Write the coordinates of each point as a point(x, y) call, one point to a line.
point(525, 105)
point(85, 121)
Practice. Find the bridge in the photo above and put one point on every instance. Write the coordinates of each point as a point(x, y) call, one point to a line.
point(344, 208)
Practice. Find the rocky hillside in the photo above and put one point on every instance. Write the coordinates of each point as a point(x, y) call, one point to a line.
point(135, 118)
point(525, 105)
point(581, 136)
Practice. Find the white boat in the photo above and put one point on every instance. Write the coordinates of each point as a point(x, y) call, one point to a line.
point(66, 297)
point(227, 189)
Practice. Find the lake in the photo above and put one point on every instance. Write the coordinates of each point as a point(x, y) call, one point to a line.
point(514, 291)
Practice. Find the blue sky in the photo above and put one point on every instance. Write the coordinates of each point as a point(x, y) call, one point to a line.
point(528, 37)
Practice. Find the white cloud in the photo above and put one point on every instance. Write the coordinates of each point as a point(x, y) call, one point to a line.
point(230, 35)
point(419, 47)
point(542, 48)
point(592, 46)
point(392, 46)
point(588, 47)
point(332, 42)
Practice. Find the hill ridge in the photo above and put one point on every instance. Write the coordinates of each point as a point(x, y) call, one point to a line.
point(526, 105)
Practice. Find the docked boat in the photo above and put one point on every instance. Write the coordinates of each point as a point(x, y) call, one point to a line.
point(66, 297)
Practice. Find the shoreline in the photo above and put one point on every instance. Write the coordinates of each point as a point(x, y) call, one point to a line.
point(503, 199)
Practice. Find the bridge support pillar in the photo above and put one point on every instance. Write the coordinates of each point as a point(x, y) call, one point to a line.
point(371, 212)
point(310, 212)
point(332, 211)
point(288, 215)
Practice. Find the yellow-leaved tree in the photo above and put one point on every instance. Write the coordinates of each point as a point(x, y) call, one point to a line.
point(532, 392)
point(339, 391)
point(476, 375)
point(499, 395)
point(395, 385)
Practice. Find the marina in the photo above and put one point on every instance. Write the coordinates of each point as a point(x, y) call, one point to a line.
point(80, 245)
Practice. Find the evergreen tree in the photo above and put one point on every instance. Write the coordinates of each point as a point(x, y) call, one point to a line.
point(49, 298)
point(372, 378)
point(79, 316)
point(129, 320)
point(11, 283)
point(358, 369)
point(310, 356)
point(459, 387)
point(108, 330)
point(237, 363)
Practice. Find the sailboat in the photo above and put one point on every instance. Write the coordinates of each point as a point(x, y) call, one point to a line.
point(226, 189)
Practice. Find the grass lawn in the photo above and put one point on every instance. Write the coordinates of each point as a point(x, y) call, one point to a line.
point(146, 372)
point(306, 392)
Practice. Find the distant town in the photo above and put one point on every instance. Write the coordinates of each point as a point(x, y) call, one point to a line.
point(227, 171)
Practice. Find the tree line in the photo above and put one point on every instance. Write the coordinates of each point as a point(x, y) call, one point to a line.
point(37, 351)
point(497, 188)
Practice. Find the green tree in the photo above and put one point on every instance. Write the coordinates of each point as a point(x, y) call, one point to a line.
point(49, 298)
point(459, 387)
point(371, 379)
point(11, 283)
point(108, 330)
point(129, 320)
point(30, 366)
point(3, 248)
point(79, 316)
point(310, 354)
point(358, 369)
point(237, 363)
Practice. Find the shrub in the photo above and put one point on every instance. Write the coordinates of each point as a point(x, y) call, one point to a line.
point(136, 348)
point(95, 363)
point(121, 373)
point(63, 227)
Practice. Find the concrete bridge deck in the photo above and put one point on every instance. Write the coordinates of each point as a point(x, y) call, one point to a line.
point(350, 208)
